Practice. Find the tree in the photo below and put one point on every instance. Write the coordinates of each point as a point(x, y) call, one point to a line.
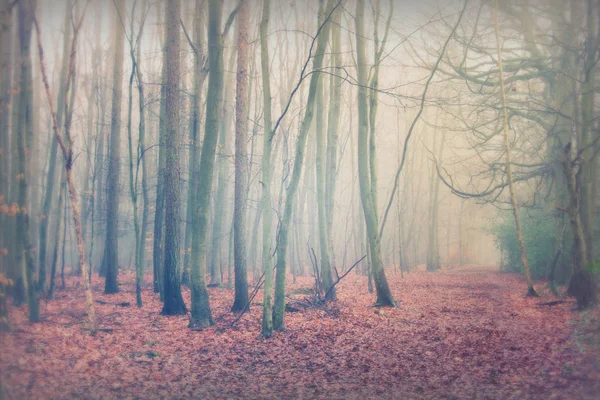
point(67, 151)
point(282, 234)
point(240, 302)
point(320, 165)
point(200, 73)
point(5, 100)
point(582, 285)
point(52, 176)
point(201, 314)
point(134, 45)
point(384, 295)
point(25, 137)
point(267, 317)
point(111, 247)
point(173, 302)
point(433, 254)
point(530, 290)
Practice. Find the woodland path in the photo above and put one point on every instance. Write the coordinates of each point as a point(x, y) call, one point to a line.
point(467, 332)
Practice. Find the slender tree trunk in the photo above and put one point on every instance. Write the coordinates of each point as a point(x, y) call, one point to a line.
point(68, 157)
point(25, 137)
point(513, 200)
point(140, 244)
point(335, 84)
point(5, 104)
point(173, 302)
point(384, 295)
point(199, 76)
point(201, 314)
point(282, 234)
point(111, 248)
point(217, 258)
point(433, 252)
point(583, 284)
point(240, 302)
point(320, 165)
point(52, 175)
point(267, 317)
point(59, 223)
point(590, 164)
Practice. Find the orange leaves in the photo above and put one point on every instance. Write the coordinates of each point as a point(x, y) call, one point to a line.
point(461, 334)
point(4, 281)
point(10, 210)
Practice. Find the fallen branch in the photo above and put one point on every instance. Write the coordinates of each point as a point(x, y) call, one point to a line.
point(551, 303)
point(247, 306)
point(120, 304)
point(346, 273)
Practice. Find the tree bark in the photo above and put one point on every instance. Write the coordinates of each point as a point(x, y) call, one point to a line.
point(282, 234)
point(201, 314)
point(52, 175)
point(111, 247)
point(173, 302)
point(513, 200)
point(384, 295)
point(583, 284)
point(267, 317)
point(25, 137)
point(240, 302)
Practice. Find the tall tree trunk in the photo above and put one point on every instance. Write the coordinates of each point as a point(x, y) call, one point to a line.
point(173, 302)
point(199, 76)
point(513, 200)
point(335, 85)
point(25, 137)
point(201, 314)
point(52, 175)
point(433, 252)
point(320, 165)
point(240, 302)
point(140, 244)
point(384, 295)
point(582, 284)
point(5, 101)
point(67, 151)
point(217, 260)
point(58, 225)
point(159, 213)
point(111, 247)
point(267, 317)
point(159, 209)
point(590, 154)
point(282, 234)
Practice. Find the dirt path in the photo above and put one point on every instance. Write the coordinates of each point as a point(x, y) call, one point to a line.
point(463, 333)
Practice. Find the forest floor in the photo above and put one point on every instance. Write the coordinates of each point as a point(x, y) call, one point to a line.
point(466, 332)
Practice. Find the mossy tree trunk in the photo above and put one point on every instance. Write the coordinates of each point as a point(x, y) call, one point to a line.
point(384, 295)
point(200, 73)
point(201, 314)
point(25, 137)
point(513, 200)
point(111, 247)
point(173, 301)
point(282, 234)
point(267, 317)
point(240, 302)
point(52, 175)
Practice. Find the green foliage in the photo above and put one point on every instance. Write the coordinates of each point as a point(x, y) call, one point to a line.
point(593, 267)
point(539, 232)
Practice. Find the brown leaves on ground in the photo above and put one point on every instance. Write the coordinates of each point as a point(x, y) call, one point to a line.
point(464, 333)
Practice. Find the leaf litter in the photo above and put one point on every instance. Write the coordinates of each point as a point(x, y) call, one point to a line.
point(468, 332)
